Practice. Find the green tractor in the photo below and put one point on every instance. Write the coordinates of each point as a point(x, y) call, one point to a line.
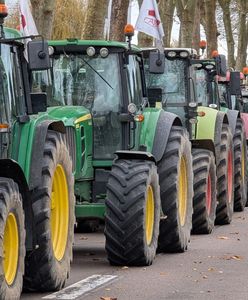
point(132, 163)
point(223, 92)
point(36, 181)
point(174, 89)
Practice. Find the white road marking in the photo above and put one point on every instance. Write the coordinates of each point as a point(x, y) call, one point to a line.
point(81, 287)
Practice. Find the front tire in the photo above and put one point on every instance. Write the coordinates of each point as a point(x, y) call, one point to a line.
point(132, 213)
point(12, 240)
point(176, 187)
point(48, 266)
point(205, 196)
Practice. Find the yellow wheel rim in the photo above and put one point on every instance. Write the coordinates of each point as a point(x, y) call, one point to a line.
point(10, 249)
point(59, 212)
point(182, 191)
point(149, 215)
point(243, 164)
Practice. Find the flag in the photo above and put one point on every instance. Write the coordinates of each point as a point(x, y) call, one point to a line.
point(28, 26)
point(149, 20)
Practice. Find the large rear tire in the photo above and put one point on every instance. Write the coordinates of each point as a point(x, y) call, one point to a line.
point(225, 178)
point(48, 266)
point(12, 240)
point(176, 190)
point(132, 213)
point(205, 196)
point(240, 169)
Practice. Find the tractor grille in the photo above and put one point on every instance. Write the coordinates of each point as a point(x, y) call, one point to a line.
point(71, 144)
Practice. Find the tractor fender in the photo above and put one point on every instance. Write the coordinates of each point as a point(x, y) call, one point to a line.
point(38, 148)
point(209, 126)
point(11, 169)
point(125, 154)
point(244, 117)
point(233, 115)
point(203, 144)
point(164, 124)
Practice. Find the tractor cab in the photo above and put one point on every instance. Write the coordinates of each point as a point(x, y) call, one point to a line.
point(176, 84)
point(103, 78)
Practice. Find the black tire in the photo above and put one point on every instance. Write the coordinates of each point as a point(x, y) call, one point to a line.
point(205, 193)
point(225, 191)
point(44, 271)
point(125, 220)
point(11, 205)
point(240, 170)
point(174, 236)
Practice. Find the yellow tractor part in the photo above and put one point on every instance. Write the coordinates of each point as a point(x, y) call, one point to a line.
point(10, 249)
point(182, 191)
point(149, 222)
point(59, 212)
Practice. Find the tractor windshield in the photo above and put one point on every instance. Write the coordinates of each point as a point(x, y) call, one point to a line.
point(172, 81)
point(80, 80)
point(92, 82)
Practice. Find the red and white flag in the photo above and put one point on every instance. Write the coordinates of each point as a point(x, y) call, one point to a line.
point(28, 26)
point(149, 20)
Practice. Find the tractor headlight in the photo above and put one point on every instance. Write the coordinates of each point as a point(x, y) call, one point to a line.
point(104, 52)
point(132, 108)
point(172, 54)
point(91, 51)
point(192, 104)
point(184, 54)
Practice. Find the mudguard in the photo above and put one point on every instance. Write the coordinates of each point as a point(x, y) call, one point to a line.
point(156, 130)
point(38, 148)
point(11, 169)
point(209, 125)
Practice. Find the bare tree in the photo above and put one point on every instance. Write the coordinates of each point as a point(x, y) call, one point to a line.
point(210, 27)
point(242, 34)
point(196, 28)
point(43, 12)
point(64, 26)
point(95, 19)
point(225, 6)
point(167, 9)
point(186, 13)
point(118, 19)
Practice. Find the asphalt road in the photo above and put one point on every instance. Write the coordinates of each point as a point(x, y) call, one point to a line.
point(214, 267)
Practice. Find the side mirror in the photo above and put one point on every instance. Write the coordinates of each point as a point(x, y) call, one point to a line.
point(156, 62)
point(155, 94)
point(235, 88)
point(38, 55)
point(38, 102)
point(221, 65)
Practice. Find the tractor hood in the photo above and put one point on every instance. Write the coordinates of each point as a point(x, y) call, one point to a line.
point(70, 115)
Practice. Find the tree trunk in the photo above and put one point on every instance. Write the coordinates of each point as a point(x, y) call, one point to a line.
point(166, 10)
point(242, 33)
point(186, 14)
point(118, 19)
point(95, 20)
point(211, 27)
point(144, 40)
point(225, 5)
point(43, 13)
point(196, 28)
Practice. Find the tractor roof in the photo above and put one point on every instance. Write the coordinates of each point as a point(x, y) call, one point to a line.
point(94, 43)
